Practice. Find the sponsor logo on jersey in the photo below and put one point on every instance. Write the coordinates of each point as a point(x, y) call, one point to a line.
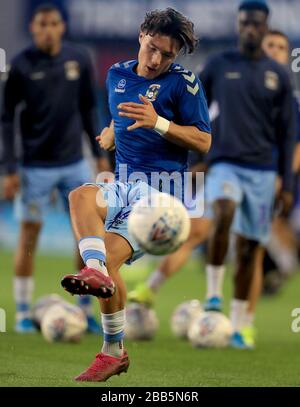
point(271, 80)
point(72, 70)
point(152, 92)
point(121, 86)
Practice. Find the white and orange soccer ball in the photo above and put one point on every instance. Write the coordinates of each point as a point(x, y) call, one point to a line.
point(159, 223)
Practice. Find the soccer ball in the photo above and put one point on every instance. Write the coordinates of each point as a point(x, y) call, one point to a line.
point(210, 330)
point(159, 223)
point(183, 315)
point(42, 304)
point(141, 322)
point(63, 322)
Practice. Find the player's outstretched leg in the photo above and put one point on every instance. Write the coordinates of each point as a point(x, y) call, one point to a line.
point(145, 292)
point(101, 252)
point(113, 358)
point(88, 211)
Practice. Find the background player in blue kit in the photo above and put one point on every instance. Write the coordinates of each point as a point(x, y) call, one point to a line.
point(159, 112)
point(54, 83)
point(254, 137)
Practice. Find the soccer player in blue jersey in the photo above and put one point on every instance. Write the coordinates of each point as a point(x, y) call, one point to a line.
point(253, 139)
point(159, 112)
point(53, 82)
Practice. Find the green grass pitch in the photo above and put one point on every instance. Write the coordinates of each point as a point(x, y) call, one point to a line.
point(166, 361)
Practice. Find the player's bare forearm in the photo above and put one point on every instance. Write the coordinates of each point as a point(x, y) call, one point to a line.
point(106, 139)
point(189, 137)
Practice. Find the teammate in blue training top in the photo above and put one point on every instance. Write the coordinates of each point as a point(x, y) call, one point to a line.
point(159, 112)
point(53, 82)
point(254, 129)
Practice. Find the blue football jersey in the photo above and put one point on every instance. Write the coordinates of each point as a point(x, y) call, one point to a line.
point(177, 95)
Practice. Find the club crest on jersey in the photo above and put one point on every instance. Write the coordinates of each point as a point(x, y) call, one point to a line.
point(72, 70)
point(271, 80)
point(152, 92)
point(121, 86)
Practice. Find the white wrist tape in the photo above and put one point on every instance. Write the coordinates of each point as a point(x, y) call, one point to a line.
point(162, 125)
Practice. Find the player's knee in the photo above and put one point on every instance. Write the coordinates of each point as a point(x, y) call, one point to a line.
point(80, 195)
point(74, 195)
point(223, 214)
point(247, 250)
point(29, 235)
point(30, 230)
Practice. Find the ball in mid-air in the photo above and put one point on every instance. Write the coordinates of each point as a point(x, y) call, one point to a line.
point(159, 223)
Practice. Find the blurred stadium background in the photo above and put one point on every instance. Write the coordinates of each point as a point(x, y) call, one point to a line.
point(108, 29)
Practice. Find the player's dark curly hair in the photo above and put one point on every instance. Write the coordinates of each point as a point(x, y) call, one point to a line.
point(171, 23)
